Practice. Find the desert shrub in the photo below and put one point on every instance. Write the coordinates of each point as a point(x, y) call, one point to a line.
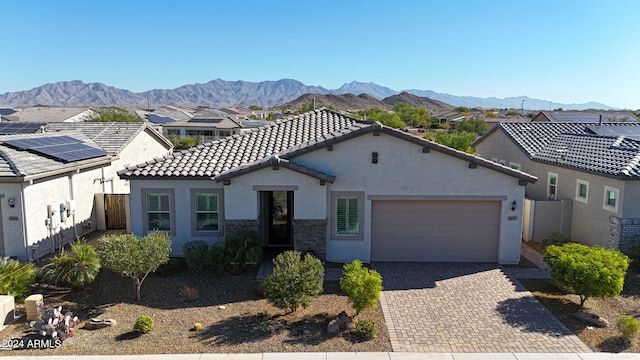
point(188, 293)
point(16, 278)
point(234, 253)
point(77, 268)
point(361, 285)
point(55, 324)
point(143, 324)
point(628, 327)
point(365, 329)
point(214, 259)
point(294, 282)
point(195, 253)
point(188, 142)
point(587, 271)
point(135, 257)
point(557, 238)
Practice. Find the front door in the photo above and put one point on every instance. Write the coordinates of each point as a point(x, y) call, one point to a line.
point(279, 213)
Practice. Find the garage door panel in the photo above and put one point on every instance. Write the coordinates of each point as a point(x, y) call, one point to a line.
point(435, 230)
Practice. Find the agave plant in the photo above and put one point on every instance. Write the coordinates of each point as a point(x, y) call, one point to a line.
point(78, 268)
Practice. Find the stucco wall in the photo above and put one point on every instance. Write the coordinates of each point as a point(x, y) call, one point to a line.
point(403, 169)
point(589, 221)
point(144, 147)
point(308, 201)
point(182, 212)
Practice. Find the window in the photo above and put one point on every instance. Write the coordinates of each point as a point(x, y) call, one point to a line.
point(611, 195)
point(158, 210)
point(502, 162)
point(348, 210)
point(514, 166)
point(552, 185)
point(582, 191)
point(206, 212)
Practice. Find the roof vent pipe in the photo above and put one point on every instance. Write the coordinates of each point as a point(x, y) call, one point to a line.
point(600, 122)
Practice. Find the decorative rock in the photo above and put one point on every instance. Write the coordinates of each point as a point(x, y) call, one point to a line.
point(340, 323)
point(221, 307)
point(592, 319)
point(93, 324)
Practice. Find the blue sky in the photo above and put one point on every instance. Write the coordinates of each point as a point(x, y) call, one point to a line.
point(564, 51)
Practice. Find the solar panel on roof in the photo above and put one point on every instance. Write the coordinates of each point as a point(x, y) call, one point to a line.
point(631, 132)
point(8, 128)
point(63, 148)
point(156, 119)
point(205, 120)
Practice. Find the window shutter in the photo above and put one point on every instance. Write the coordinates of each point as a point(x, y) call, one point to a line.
point(353, 216)
point(341, 215)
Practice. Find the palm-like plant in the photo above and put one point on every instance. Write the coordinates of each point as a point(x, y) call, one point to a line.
point(77, 268)
point(241, 250)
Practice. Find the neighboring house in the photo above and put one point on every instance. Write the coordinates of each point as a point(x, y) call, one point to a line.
point(340, 187)
point(49, 114)
point(49, 182)
point(203, 128)
point(449, 116)
point(588, 173)
point(585, 116)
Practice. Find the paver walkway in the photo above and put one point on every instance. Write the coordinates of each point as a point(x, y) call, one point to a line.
point(465, 308)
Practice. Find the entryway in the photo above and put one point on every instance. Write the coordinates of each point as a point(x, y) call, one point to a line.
point(115, 209)
point(276, 213)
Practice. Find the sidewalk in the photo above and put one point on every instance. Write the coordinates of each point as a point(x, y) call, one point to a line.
point(352, 356)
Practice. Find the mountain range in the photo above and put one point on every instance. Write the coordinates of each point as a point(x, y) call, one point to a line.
point(219, 93)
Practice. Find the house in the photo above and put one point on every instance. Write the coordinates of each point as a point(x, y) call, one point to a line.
point(340, 187)
point(52, 183)
point(586, 116)
point(48, 114)
point(589, 188)
point(203, 128)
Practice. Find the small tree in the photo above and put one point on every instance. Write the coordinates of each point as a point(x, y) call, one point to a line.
point(135, 257)
point(457, 140)
point(114, 114)
point(294, 282)
point(587, 271)
point(361, 285)
point(472, 125)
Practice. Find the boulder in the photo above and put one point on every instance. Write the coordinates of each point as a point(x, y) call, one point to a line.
point(591, 319)
point(93, 324)
point(340, 323)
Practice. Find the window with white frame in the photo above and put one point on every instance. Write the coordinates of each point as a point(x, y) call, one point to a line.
point(611, 196)
point(552, 185)
point(158, 209)
point(206, 211)
point(348, 218)
point(514, 165)
point(582, 191)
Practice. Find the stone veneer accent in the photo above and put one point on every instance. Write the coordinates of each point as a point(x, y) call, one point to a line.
point(240, 227)
point(310, 235)
point(624, 234)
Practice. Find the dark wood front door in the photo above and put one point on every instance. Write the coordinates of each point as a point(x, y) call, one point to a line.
point(279, 215)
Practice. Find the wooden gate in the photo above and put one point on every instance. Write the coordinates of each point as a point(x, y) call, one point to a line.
point(115, 208)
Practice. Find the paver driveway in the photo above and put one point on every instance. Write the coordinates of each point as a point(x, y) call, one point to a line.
point(456, 307)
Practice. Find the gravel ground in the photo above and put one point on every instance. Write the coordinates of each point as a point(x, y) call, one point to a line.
point(234, 318)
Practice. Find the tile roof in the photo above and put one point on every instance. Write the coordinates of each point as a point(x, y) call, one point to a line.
point(587, 116)
point(577, 145)
point(215, 122)
point(48, 114)
point(254, 149)
point(112, 137)
point(25, 164)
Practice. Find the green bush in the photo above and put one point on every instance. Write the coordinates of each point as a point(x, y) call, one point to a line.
point(294, 282)
point(557, 238)
point(77, 268)
point(143, 324)
point(587, 271)
point(365, 329)
point(214, 258)
point(361, 285)
point(236, 252)
point(188, 142)
point(628, 327)
point(195, 253)
point(172, 267)
point(16, 278)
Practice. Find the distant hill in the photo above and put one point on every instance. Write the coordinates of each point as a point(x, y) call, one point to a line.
point(220, 93)
point(417, 101)
point(364, 101)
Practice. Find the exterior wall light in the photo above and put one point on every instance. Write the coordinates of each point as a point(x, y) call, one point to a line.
point(12, 203)
point(513, 205)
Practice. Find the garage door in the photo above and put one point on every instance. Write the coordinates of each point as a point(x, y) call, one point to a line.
point(457, 231)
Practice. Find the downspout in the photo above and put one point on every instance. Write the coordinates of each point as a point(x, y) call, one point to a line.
point(73, 215)
point(25, 237)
